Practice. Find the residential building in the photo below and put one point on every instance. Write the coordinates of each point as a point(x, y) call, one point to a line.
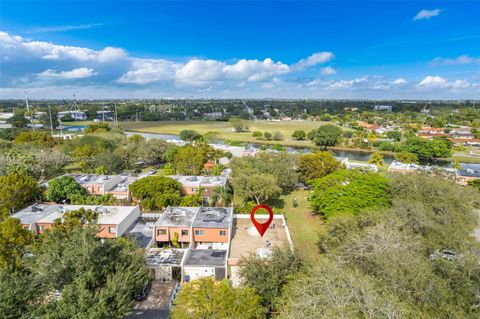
point(207, 184)
point(205, 263)
point(202, 227)
point(116, 185)
point(175, 220)
point(464, 176)
point(382, 107)
point(113, 221)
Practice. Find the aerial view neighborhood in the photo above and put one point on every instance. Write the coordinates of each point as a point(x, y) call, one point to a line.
point(239, 159)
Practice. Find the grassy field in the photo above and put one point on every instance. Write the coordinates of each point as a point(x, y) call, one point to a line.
point(224, 130)
point(303, 224)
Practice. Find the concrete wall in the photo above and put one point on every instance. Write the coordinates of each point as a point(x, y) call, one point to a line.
point(199, 272)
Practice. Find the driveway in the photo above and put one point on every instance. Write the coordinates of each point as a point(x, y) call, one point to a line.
point(156, 304)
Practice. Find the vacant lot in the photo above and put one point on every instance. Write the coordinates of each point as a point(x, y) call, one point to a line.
point(224, 130)
point(303, 224)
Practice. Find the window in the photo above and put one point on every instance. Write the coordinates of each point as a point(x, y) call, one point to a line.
point(194, 190)
point(223, 233)
point(184, 232)
point(112, 229)
point(199, 233)
point(40, 228)
point(161, 232)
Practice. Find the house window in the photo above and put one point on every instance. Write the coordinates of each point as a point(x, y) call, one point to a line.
point(112, 229)
point(161, 232)
point(40, 228)
point(184, 232)
point(199, 233)
point(223, 233)
point(194, 190)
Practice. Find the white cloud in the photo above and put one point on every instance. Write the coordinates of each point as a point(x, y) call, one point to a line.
point(431, 81)
point(314, 59)
point(63, 28)
point(400, 82)
point(345, 84)
point(146, 71)
point(462, 59)
point(426, 14)
point(79, 73)
point(437, 82)
point(328, 70)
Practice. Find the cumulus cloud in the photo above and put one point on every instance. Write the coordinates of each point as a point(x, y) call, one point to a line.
point(328, 70)
point(79, 73)
point(400, 82)
point(462, 59)
point(425, 14)
point(437, 82)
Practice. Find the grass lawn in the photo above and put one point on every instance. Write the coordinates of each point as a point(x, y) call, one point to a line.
point(303, 224)
point(224, 131)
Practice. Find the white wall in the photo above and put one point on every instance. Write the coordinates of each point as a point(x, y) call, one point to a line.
point(199, 272)
point(128, 221)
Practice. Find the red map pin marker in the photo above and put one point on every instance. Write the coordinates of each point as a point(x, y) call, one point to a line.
point(262, 228)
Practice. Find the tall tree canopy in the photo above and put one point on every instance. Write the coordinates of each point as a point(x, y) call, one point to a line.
point(60, 189)
point(206, 298)
point(16, 191)
point(317, 165)
point(327, 135)
point(349, 192)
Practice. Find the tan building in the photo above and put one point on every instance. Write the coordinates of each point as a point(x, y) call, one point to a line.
point(113, 221)
point(206, 184)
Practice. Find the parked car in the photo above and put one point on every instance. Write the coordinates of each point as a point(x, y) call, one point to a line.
point(143, 293)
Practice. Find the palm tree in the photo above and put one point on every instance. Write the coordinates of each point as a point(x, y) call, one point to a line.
point(222, 196)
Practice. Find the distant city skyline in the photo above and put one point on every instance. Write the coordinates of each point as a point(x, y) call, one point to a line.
point(244, 49)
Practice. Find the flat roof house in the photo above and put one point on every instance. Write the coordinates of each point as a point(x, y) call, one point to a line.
point(113, 221)
point(205, 263)
point(212, 227)
point(177, 220)
point(192, 184)
point(116, 185)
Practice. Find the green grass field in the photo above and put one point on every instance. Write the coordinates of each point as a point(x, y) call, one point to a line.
point(304, 225)
point(224, 130)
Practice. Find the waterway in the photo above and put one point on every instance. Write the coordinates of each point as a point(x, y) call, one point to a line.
point(352, 155)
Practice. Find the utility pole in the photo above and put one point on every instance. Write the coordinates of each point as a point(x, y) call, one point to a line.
point(51, 122)
point(28, 110)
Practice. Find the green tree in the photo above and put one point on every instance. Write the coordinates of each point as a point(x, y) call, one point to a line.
point(194, 200)
point(154, 186)
point(17, 294)
point(189, 135)
point(97, 279)
point(327, 135)
point(259, 186)
point(238, 124)
point(18, 120)
point(61, 188)
point(475, 183)
point(257, 134)
point(267, 135)
point(426, 149)
point(206, 298)
point(16, 191)
point(377, 159)
point(456, 165)
point(317, 165)
point(349, 192)
point(406, 157)
point(299, 135)
point(277, 136)
point(14, 240)
point(96, 128)
point(189, 159)
point(38, 139)
point(394, 135)
point(268, 276)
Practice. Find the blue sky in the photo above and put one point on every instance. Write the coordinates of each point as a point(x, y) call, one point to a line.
point(316, 49)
